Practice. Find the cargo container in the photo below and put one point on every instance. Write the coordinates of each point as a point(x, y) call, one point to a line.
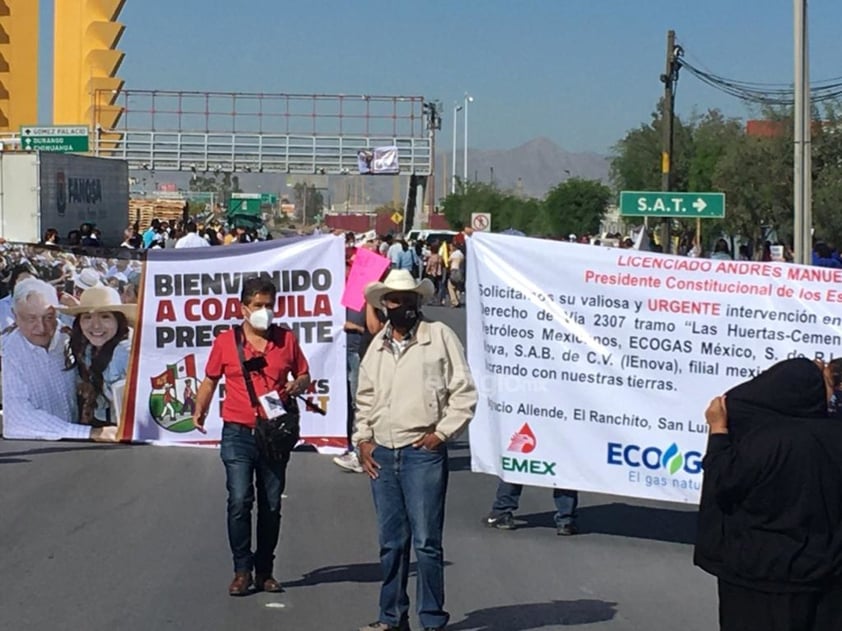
point(40, 190)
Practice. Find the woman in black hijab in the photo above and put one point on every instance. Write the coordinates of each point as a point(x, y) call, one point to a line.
point(770, 517)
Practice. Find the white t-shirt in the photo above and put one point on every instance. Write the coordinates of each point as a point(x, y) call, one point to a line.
point(456, 258)
point(191, 240)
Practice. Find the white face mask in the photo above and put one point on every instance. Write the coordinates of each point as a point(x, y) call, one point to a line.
point(260, 319)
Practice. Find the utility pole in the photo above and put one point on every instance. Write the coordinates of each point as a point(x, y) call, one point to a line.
point(802, 165)
point(433, 111)
point(669, 79)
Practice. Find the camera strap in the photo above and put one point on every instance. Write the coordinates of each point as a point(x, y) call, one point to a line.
point(239, 342)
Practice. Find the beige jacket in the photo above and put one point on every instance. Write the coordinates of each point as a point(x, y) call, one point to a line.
point(428, 388)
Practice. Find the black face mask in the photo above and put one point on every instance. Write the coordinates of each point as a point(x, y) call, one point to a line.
point(403, 317)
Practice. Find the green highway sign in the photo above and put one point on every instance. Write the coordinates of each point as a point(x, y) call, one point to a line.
point(268, 198)
point(245, 203)
point(58, 138)
point(672, 204)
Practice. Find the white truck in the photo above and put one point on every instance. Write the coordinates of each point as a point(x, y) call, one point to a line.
point(41, 190)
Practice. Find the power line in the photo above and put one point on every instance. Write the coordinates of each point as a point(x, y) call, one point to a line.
point(762, 93)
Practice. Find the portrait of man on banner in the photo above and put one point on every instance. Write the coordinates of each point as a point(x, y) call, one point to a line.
point(70, 321)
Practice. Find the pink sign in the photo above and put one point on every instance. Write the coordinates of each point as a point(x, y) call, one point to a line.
point(367, 268)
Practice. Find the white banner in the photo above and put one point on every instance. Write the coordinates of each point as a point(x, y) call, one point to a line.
point(595, 365)
point(191, 295)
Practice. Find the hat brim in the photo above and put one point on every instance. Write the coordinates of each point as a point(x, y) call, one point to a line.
point(374, 292)
point(130, 311)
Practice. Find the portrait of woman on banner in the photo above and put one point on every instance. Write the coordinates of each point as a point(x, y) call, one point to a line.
point(99, 351)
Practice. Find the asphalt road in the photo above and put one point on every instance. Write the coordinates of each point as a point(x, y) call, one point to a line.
point(132, 538)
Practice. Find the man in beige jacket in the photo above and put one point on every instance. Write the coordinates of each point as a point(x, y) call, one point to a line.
point(415, 392)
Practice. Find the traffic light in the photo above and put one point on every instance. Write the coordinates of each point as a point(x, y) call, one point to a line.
point(85, 88)
point(18, 64)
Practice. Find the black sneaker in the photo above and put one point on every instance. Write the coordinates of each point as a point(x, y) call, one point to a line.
point(567, 530)
point(503, 521)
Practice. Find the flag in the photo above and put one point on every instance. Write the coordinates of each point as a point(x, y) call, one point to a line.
point(166, 378)
point(184, 368)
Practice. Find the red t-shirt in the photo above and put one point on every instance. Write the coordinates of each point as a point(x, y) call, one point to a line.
point(283, 356)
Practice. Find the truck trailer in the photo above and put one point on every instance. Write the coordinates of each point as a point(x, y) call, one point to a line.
point(41, 190)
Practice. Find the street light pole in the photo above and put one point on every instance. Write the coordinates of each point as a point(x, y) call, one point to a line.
point(468, 99)
point(802, 163)
point(456, 109)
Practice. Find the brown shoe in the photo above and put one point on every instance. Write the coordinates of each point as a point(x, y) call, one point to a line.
point(241, 584)
point(265, 583)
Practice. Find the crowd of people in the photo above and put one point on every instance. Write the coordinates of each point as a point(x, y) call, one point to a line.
point(770, 518)
point(441, 261)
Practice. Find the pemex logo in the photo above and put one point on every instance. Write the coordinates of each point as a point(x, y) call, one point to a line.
point(672, 460)
point(523, 441)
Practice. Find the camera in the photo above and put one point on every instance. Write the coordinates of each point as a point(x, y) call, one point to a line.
point(255, 364)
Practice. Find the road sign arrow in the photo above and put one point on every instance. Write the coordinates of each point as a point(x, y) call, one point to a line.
point(700, 205)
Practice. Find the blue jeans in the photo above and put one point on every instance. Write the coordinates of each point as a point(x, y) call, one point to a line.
point(409, 500)
point(243, 467)
point(352, 363)
point(508, 499)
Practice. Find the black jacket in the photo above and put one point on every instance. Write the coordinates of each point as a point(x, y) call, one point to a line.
point(770, 516)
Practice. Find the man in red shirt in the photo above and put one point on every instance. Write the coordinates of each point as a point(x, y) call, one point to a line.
point(276, 355)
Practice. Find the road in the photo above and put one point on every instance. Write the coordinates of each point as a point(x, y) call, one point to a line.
point(132, 538)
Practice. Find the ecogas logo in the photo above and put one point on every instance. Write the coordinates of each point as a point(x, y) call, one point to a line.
point(653, 458)
point(523, 442)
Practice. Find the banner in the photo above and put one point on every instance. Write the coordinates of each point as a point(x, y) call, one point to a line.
point(595, 365)
point(130, 370)
point(378, 161)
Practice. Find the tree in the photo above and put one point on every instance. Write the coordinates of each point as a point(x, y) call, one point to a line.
point(576, 206)
point(479, 197)
point(223, 184)
point(712, 135)
point(308, 200)
point(636, 163)
point(756, 176)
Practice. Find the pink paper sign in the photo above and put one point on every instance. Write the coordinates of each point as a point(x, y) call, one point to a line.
point(367, 267)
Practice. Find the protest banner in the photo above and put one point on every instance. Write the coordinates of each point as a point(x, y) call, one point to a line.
point(595, 365)
point(53, 387)
point(190, 296)
point(368, 267)
point(186, 298)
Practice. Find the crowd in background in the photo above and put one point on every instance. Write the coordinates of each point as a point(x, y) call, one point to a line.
point(442, 260)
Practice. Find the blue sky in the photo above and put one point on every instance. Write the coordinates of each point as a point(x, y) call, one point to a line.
point(580, 72)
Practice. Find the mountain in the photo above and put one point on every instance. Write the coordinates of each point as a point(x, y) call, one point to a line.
point(533, 168)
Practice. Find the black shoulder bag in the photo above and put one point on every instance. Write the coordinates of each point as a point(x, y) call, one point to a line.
point(275, 437)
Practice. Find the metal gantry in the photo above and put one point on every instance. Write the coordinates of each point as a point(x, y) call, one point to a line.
point(254, 132)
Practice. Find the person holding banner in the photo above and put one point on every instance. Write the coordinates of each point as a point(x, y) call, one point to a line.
point(39, 394)
point(99, 349)
point(770, 517)
point(507, 501)
point(401, 433)
point(260, 365)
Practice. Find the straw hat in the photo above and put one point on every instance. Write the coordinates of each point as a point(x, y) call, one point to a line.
point(398, 280)
point(99, 299)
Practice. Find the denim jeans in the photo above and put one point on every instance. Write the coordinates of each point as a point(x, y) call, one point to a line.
point(352, 362)
point(508, 499)
point(409, 499)
point(246, 469)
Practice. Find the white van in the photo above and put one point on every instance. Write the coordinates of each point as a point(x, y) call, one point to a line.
point(431, 235)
